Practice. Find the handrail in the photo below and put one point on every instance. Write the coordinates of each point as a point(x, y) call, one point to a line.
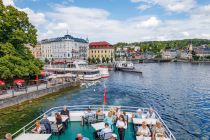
point(94, 107)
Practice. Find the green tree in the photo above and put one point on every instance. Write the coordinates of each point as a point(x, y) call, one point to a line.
point(103, 60)
point(107, 60)
point(93, 60)
point(98, 60)
point(16, 60)
point(111, 59)
point(89, 60)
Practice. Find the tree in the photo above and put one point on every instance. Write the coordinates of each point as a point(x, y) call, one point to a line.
point(16, 60)
point(103, 60)
point(107, 60)
point(89, 60)
point(46, 61)
point(93, 60)
point(111, 59)
point(98, 60)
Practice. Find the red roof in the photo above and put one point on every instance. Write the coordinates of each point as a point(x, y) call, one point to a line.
point(102, 43)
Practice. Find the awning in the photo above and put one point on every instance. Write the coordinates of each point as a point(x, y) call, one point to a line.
point(19, 81)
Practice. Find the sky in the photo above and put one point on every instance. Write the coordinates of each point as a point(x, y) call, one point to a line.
point(118, 20)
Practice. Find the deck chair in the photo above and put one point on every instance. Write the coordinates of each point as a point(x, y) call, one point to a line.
point(100, 118)
point(90, 119)
point(55, 129)
point(44, 131)
point(106, 136)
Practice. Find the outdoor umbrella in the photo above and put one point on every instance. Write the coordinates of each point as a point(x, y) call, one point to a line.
point(19, 81)
point(2, 83)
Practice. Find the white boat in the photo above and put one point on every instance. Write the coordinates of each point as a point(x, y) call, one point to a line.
point(104, 72)
point(79, 68)
point(77, 123)
point(122, 65)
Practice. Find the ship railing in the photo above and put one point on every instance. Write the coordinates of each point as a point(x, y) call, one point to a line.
point(83, 108)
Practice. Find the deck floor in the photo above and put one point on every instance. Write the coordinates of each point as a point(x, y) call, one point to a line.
point(74, 128)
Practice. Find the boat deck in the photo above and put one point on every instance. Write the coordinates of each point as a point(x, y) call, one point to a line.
point(87, 131)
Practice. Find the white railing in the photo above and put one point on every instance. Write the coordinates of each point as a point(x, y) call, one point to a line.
point(130, 109)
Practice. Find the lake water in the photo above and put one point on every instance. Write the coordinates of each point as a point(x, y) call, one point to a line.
point(179, 92)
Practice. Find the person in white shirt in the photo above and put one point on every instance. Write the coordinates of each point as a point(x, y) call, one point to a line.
point(151, 113)
point(107, 129)
point(121, 125)
point(143, 130)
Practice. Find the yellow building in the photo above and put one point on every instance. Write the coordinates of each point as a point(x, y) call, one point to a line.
point(101, 50)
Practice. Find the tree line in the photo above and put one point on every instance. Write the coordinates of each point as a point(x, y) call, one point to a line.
point(156, 46)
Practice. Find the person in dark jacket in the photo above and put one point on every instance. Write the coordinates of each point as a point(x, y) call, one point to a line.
point(65, 111)
point(46, 123)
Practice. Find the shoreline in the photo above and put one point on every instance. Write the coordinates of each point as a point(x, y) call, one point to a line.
point(27, 97)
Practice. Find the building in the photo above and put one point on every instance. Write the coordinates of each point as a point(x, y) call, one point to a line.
point(202, 51)
point(37, 51)
point(64, 48)
point(101, 50)
point(169, 54)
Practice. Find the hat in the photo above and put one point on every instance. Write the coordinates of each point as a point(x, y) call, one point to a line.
point(139, 110)
point(114, 135)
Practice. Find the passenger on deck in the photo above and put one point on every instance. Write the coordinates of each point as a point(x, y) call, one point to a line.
point(158, 131)
point(99, 112)
point(80, 137)
point(37, 129)
point(58, 119)
point(88, 113)
point(8, 136)
point(109, 119)
point(138, 114)
point(107, 129)
point(65, 111)
point(121, 125)
point(143, 130)
point(151, 113)
point(46, 124)
point(118, 113)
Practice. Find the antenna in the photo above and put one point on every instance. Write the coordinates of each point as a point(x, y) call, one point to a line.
point(67, 32)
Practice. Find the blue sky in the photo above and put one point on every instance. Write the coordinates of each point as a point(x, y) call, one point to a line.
point(119, 20)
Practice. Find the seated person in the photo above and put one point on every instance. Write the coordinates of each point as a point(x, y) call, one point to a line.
point(143, 130)
point(158, 131)
point(106, 129)
point(80, 137)
point(89, 116)
point(151, 113)
point(99, 112)
point(118, 112)
point(65, 111)
point(138, 114)
point(109, 119)
point(37, 129)
point(59, 121)
point(46, 124)
point(8, 136)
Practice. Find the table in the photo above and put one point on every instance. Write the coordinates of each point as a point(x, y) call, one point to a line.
point(98, 126)
point(30, 136)
point(148, 121)
point(143, 138)
point(52, 118)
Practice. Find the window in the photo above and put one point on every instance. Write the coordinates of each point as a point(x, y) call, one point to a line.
point(105, 51)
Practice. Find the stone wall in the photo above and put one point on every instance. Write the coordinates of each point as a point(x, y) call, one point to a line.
point(32, 95)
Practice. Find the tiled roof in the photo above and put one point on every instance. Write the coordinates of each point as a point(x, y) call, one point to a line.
point(66, 37)
point(100, 45)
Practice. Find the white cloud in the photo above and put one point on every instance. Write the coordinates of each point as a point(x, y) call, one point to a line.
point(151, 22)
point(8, 2)
point(186, 34)
point(143, 7)
point(171, 5)
point(35, 18)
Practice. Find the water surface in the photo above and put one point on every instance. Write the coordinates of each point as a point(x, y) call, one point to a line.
point(179, 92)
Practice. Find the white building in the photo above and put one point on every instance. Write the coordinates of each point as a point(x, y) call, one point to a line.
point(67, 47)
point(169, 54)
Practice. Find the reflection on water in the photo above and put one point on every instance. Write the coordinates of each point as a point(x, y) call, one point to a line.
point(180, 93)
